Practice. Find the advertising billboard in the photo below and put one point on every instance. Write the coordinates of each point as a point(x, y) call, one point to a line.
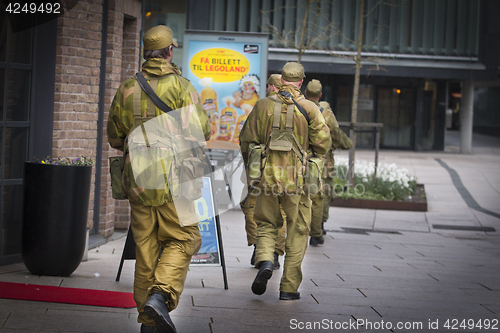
point(229, 70)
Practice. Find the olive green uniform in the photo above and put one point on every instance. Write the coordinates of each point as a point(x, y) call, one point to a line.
point(248, 209)
point(339, 140)
point(154, 220)
point(284, 188)
point(318, 200)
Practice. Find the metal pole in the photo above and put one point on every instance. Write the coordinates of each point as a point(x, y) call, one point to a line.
point(350, 173)
point(100, 117)
point(377, 146)
point(466, 117)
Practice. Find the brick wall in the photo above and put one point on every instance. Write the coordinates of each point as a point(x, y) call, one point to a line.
point(78, 54)
point(77, 88)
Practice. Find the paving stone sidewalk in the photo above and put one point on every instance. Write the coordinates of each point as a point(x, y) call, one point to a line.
point(399, 275)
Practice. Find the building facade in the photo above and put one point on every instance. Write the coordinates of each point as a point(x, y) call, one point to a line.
point(58, 76)
point(415, 57)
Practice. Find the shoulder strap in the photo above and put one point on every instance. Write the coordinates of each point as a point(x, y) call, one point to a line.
point(286, 94)
point(297, 148)
point(150, 92)
point(277, 115)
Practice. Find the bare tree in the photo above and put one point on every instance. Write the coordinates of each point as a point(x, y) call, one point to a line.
point(307, 34)
point(355, 92)
point(358, 61)
point(310, 35)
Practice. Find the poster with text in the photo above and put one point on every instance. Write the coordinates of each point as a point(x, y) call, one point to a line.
point(209, 250)
point(229, 71)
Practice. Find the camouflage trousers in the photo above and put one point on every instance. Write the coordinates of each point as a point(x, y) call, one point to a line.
point(155, 230)
point(251, 227)
point(269, 220)
point(316, 215)
point(327, 198)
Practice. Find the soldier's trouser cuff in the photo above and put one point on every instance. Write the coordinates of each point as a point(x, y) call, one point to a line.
point(296, 245)
point(316, 215)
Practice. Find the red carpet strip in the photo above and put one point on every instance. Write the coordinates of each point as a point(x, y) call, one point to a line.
point(34, 292)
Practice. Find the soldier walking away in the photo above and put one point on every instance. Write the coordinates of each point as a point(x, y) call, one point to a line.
point(340, 140)
point(284, 132)
point(273, 85)
point(313, 93)
point(155, 222)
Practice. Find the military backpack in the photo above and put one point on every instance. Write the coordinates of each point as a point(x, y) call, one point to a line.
point(307, 167)
point(160, 153)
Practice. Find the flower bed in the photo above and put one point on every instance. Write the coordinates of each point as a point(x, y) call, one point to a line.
point(394, 188)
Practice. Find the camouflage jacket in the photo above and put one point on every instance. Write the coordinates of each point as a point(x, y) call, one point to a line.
point(339, 138)
point(283, 170)
point(178, 93)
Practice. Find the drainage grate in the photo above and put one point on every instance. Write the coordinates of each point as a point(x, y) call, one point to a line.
point(361, 231)
point(364, 231)
point(463, 227)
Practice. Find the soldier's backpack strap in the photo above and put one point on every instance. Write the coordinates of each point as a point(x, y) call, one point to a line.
point(287, 94)
point(151, 92)
point(277, 115)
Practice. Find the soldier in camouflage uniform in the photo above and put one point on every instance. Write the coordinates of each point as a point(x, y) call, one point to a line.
point(155, 224)
point(313, 93)
point(273, 85)
point(341, 141)
point(278, 187)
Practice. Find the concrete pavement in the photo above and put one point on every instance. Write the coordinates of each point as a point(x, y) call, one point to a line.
point(400, 272)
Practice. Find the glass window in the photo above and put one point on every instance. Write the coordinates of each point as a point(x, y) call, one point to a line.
point(428, 116)
point(16, 148)
point(2, 97)
point(18, 95)
point(20, 46)
point(365, 115)
point(344, 101)
point(365, 111)
point(1, 143)
point(11, 226)
point(395, 107)
point(171, 14)
point(3, 33)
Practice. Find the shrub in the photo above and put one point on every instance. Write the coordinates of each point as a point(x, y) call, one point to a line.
point(391, 183)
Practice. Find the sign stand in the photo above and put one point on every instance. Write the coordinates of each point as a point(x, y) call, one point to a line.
point(128, 252)
point(208, 197)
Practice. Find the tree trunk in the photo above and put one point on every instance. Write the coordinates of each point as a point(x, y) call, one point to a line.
point(354, 108)
point(301, 46)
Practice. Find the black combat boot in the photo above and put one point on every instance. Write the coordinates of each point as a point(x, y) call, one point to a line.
point(156, 309)
point(263, 275)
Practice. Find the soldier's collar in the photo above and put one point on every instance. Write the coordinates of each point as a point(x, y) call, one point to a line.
point(159, 67)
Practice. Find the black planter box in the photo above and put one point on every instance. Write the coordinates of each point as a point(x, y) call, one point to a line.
point(56, 204)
